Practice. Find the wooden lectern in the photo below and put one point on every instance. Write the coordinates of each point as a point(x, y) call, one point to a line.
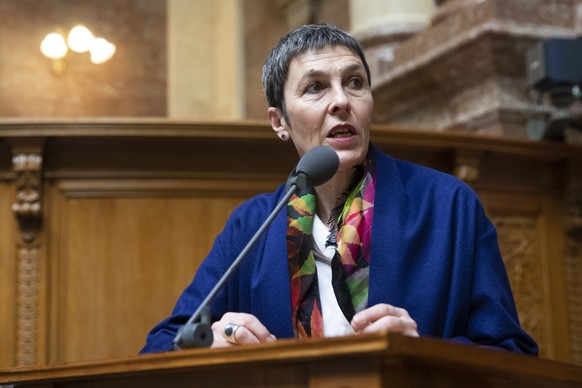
point(355, 361)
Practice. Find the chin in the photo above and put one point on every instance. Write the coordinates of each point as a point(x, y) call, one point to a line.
point(351, 159)
point(348, 164)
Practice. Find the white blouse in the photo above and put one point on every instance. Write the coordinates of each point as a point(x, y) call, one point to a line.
point(334, 321)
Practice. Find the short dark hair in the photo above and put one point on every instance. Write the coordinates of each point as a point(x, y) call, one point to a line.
point(295, 43)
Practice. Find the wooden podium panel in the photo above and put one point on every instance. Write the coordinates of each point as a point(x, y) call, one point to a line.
point(356, 361)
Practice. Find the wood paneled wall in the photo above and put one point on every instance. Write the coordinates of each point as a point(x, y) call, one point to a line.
point(127, 209)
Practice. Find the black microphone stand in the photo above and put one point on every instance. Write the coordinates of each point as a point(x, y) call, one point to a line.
point(316, 167)
point(199, 334)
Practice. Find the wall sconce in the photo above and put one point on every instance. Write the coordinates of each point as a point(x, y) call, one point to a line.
point(79, 40)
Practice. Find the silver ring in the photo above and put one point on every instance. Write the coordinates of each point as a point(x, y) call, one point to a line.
point(230, 332)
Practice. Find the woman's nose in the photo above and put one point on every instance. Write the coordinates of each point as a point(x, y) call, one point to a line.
point(339, 101)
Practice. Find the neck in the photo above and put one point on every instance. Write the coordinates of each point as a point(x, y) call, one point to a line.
point(329, 195)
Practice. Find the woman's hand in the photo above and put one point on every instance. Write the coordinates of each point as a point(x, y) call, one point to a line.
point(384, 318)
point(238, 329)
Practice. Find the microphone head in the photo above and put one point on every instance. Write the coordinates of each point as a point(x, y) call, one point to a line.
point(319, 165)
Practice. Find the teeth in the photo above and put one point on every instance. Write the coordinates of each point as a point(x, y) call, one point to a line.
point(342, 134)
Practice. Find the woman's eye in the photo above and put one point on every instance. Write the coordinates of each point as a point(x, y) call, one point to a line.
point(314, 88)
point(356, 83)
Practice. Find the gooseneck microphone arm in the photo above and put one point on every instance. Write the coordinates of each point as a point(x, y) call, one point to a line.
point(316, 167)
point(193, 335)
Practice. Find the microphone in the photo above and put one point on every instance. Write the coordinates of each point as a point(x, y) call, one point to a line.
point(316, 166)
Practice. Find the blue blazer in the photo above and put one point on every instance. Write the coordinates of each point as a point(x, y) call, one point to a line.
point(434, 253)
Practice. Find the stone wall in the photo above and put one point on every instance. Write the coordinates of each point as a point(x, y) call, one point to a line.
point(132, 83)
point(467, 69)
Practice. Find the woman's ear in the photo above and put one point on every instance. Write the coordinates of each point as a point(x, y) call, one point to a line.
point(278, 123)
point(276, 118)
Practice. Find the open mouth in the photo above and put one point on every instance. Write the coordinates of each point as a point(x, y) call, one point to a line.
point(340, 133)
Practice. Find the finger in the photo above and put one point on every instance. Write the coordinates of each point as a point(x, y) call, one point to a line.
point(250, 330)
point(244, 336)
point(219, 341)
point(253, 329)
point(390, 324)
point(383, 318)
point(372, 314)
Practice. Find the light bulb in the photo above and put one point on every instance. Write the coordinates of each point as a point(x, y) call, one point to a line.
point(53, 46)
point(101, 51)
point(80, 39)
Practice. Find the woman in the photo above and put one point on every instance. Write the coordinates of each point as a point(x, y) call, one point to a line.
point(384, 246)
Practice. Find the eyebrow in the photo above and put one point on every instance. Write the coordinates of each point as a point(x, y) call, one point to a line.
point(318, 73)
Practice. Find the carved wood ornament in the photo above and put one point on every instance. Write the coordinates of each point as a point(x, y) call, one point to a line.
point(467, 167)
point(520, 248)
point(573, 261)
point(28, 211)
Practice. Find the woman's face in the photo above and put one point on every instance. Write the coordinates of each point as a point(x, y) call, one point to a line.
point(329, 102)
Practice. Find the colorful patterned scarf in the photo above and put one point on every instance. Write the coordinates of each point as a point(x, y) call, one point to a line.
point(350, 264)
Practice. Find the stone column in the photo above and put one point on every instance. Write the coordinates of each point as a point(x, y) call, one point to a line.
point(205, 60)
point(381, 24)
